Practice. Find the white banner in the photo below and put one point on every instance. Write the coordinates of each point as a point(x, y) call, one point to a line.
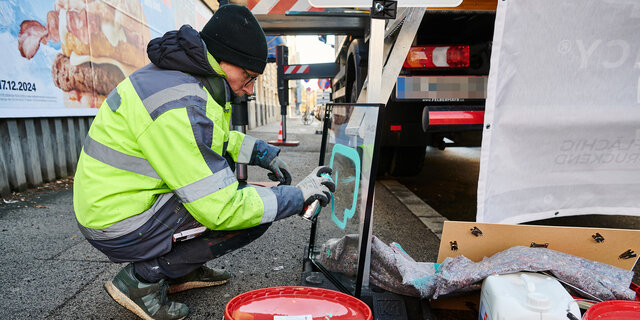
point(562, 121)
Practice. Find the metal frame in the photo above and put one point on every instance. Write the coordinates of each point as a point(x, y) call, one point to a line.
point(362, 275)
point(384, 9)
point(316, 71)
point(353, 23)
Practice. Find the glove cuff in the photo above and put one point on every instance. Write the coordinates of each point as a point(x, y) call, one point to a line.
point(290, 201)
point(263, 153)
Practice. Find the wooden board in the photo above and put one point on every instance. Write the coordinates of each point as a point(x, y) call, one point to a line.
point(5, 188)
point(266, 184)
point(483, 5)
point(72, 154)
point(60, 159)
point(571, 240)
point(31, 156)
point(14, 159)
point(45, 144)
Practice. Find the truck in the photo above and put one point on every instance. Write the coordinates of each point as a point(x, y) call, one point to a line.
point(439, 96)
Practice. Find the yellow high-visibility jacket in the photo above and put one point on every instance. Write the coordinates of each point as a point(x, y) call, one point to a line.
point(160, 132)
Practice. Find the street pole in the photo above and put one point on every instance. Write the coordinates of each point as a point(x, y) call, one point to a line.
point(240, 121)
point(282, 59)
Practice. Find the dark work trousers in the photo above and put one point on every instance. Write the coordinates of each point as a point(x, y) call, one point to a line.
point(154, 254)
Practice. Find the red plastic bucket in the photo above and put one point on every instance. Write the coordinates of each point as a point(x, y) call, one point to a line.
point(635, 289)
point(614, 309)
point(303, 302)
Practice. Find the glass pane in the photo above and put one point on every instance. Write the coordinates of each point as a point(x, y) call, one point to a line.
point(349, 152)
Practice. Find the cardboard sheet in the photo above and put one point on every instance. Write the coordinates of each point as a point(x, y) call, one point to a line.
point(498, 237)
point(571, 240)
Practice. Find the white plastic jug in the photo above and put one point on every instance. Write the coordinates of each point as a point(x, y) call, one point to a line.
point(525, 296)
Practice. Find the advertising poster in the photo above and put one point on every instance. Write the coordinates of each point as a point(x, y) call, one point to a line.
point(63, 57)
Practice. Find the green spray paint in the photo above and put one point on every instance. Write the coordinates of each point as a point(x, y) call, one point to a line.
point(352, 154)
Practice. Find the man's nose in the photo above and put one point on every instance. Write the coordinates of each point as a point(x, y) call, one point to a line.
point(249, 89)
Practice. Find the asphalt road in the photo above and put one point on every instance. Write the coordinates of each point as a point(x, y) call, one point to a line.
point(49, 271)
point(448, 182)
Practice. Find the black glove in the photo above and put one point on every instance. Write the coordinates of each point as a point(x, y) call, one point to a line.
point(266, 156)
point(317, 186)
point(279, 171)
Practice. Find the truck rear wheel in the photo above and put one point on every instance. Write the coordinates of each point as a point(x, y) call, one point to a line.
point(354, 92)
point(407, 161)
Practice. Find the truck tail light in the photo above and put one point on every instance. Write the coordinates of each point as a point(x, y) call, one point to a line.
point(433, 57)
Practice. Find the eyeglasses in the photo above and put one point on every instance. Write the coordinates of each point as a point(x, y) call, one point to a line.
point(251, 78)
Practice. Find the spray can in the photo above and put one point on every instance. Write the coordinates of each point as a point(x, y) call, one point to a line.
point(311, 211)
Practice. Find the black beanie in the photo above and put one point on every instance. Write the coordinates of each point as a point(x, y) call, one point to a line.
point(234, 35)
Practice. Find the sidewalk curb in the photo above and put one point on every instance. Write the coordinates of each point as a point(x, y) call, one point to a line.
point(429, 216)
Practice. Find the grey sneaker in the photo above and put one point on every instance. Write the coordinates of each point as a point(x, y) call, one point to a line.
point(199, 278)
point(146, 300)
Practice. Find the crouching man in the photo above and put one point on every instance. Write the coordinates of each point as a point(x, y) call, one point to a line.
point(153, 165)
